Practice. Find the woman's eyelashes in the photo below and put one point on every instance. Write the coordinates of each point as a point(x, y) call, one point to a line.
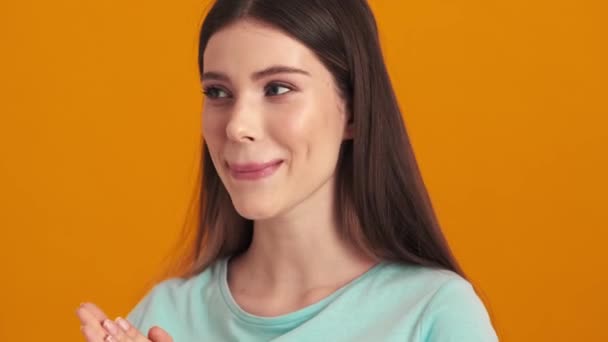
point(275, 89)
point(215, 92)
point(272, 89)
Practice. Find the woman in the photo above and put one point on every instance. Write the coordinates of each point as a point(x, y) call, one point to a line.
point(316, 224)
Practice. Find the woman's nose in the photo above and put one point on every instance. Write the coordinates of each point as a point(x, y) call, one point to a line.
point(243, 124)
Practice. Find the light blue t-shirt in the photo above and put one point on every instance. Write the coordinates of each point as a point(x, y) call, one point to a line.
point(390, 302)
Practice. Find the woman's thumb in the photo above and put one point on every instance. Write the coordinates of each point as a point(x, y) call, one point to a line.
point(156, 334)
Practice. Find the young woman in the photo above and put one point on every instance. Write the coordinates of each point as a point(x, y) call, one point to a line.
point(316, 225)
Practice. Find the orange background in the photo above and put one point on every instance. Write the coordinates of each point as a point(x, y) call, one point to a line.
point(99, 143)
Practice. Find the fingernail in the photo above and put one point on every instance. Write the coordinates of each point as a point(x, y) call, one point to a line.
point(123, 323)
point(109, 338)
point(110, 326)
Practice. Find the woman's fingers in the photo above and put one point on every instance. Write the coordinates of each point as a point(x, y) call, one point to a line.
point(97, 327)
point(122, 331)
point(96, 311)
point(89, 325)
point(92, 334)
point(156, 334)
point(115, 333)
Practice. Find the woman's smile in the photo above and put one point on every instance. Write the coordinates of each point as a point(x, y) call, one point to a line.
point(253, 171)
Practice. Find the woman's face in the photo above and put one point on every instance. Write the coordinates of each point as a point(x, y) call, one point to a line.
point(269, 99)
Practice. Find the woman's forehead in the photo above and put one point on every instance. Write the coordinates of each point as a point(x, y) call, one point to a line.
point(249, 45)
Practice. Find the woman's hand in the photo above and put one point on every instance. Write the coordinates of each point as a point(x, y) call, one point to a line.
point(97, 327)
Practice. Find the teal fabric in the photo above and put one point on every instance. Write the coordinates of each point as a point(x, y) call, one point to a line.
point(390, 302)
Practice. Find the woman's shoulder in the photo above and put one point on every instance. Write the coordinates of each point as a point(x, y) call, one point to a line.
point(434, 287)
point(417, 278)
point(176, 287)
point(451, 309)
point(182, 285)
point(172, 295)
point(445, 304)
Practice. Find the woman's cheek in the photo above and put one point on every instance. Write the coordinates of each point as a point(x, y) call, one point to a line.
point(294, 118)
point(214, 125)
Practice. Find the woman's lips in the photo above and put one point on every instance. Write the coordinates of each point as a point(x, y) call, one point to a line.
point(254, 171)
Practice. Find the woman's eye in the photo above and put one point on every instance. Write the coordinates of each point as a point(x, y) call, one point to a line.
point(215, 92)
point(277, 89)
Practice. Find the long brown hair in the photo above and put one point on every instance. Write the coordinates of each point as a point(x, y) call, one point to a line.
point(381, 201)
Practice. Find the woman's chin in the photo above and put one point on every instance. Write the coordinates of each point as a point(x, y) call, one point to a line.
point(255, 211)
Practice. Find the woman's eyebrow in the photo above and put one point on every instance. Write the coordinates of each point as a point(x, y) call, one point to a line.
point(212, 75)
point(277, 69)
point(272, 70)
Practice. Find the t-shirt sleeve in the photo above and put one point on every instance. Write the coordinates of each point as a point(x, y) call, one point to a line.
point(456, 313)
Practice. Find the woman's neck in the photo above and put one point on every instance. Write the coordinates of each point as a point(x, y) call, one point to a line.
point(299, 251)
